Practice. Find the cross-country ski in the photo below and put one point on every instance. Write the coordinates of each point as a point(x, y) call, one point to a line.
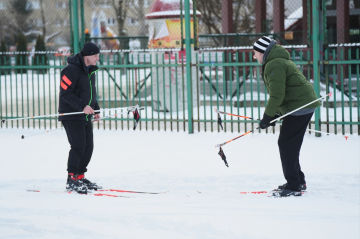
point(71, 192)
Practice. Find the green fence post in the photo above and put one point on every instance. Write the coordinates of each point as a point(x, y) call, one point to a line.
point(82, 14)
point(315, 40)
point(75, 24)
point(188, 65)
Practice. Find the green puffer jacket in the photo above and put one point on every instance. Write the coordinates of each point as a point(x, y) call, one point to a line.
point(287, 86)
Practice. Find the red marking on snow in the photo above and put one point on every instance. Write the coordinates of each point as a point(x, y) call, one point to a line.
point(103, 194)
point(254, 192)
point(346, 137)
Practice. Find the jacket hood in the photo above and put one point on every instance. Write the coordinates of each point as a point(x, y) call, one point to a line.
point(277, 52)
point(78, 60)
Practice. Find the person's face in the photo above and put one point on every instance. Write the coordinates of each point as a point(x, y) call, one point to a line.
point(258, 56)
point(91, 60)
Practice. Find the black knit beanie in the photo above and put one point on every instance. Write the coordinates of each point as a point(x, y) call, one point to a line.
point(261, 44)
point(90, 49)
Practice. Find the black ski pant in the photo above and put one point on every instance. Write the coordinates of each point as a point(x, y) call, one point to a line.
point(80, 137)
point(290, 141)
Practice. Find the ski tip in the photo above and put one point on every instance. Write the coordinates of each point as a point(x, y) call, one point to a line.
point(2, 121)
point(22, 136)
point(330, 94)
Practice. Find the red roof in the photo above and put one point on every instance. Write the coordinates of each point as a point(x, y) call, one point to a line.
point(165, 5)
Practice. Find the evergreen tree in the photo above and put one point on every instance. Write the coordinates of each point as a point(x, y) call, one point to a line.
point(21, 59)
point(40, 59)
point(4, 59)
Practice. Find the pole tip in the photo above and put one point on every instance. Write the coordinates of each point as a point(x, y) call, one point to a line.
point(2, 121)
point(22, 136)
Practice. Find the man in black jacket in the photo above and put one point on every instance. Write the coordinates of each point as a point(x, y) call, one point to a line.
point(78, 93)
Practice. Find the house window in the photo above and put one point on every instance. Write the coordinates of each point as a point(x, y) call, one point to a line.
point(132, 21)
point(111, 22)
point(146, 3)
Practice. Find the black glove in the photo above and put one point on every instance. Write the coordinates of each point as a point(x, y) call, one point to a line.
point(265, 122)
point(275, 117)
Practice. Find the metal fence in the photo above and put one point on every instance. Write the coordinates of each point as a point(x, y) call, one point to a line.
point(228, 80)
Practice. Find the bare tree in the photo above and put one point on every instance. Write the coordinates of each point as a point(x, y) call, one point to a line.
point(137, 8)
point(43, 17)
point(121, 8)
point(210, 20)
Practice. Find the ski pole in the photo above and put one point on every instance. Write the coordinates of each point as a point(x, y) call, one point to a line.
point(241, 116)
point(47, 131)
point(219, 145)
point(221, 152)
point(73, 113)
point(109, 116)
point(300, 108)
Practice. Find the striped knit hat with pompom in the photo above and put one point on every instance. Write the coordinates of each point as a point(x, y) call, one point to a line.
point(261, 44)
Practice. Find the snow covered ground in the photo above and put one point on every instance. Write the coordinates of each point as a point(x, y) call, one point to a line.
point(186, 165)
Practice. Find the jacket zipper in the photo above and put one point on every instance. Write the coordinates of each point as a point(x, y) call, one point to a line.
point(89, 75)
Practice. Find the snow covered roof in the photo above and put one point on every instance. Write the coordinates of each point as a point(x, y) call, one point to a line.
point(167, 14)
point(293, 17)
point(167, 9)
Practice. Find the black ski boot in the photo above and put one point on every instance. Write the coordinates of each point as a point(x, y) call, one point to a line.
point(286, 193)
point(281, 187)
point(73, 184)
point(90, 185)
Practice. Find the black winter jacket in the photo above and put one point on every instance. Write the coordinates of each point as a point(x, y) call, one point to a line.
point(77, 89)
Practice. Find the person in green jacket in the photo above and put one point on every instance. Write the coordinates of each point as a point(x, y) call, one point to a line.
point(288, 90)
